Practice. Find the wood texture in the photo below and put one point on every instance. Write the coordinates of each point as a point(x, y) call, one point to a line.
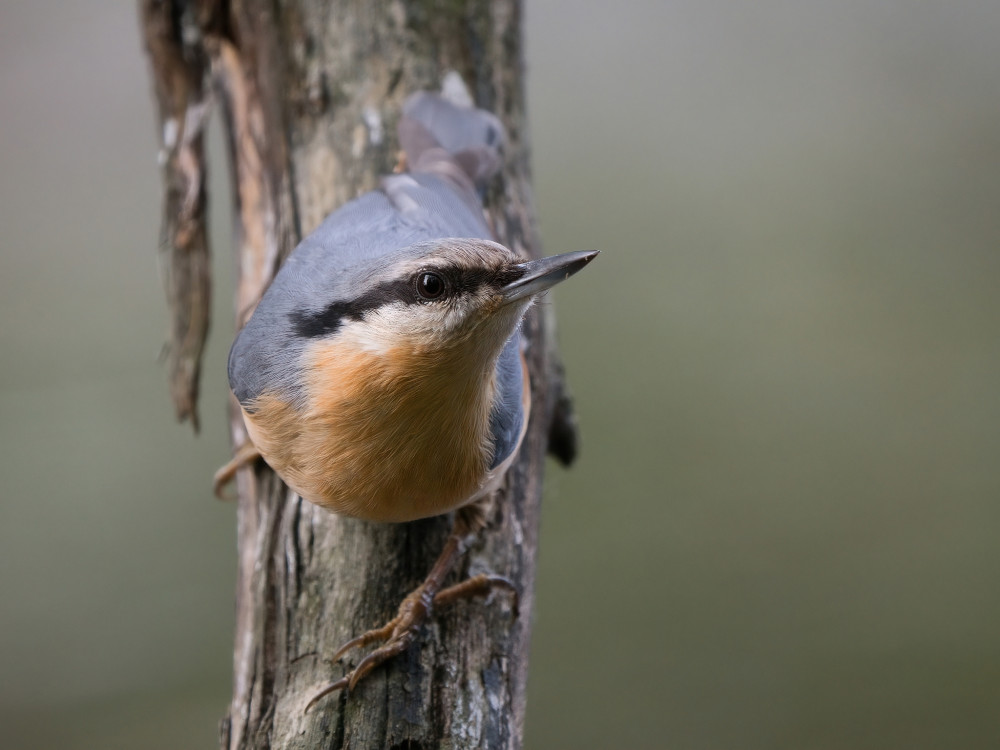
point(179, 72)
point(311, 93)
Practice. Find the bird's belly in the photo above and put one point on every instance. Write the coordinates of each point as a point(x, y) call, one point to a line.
point(378, 472)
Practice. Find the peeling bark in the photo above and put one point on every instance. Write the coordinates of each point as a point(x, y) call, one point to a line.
point(311, 93)
point(179, 68)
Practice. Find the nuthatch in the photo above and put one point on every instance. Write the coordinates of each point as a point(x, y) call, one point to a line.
point(382, 374)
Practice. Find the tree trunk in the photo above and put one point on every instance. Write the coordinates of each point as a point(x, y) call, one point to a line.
point(312, 92)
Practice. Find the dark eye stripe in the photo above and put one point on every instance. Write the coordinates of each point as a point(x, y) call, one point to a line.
point(311, 324)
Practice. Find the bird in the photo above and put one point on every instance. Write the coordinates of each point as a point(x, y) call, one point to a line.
point(382, 373)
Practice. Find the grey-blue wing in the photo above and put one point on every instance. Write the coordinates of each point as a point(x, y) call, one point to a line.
point(507, 414)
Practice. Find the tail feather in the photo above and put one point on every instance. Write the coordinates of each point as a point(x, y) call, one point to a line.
point(461, 144)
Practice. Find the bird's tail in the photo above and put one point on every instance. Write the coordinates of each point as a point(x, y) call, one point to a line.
point(451, 139)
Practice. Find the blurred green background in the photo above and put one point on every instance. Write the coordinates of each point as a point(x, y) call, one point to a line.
point(782, 532)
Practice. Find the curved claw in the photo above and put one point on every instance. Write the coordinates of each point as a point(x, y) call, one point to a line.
point(393, 648)
point(376, 634)
point(223, 476)
point(245, 454)
point(331, 688)
point(396, 646)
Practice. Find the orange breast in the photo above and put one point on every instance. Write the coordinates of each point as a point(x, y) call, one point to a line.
point(392, 436)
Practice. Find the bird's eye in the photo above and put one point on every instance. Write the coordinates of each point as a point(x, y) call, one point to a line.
point(429, 285)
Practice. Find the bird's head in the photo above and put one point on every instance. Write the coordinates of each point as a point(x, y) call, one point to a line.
point(443, 295)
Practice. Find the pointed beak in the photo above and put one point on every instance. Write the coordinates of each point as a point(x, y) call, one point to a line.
point(538, 275)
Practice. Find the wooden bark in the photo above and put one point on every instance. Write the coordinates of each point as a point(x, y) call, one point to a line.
point(311, 93)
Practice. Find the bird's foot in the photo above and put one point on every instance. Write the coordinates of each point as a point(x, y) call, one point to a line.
point(400, 632)
point(245, 454)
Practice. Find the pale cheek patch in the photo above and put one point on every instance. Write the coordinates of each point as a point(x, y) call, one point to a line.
point(371, 339)
point(394, 326)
